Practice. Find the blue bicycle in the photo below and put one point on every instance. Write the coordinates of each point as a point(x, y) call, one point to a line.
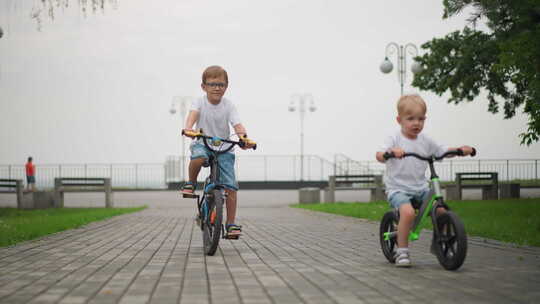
point(210, 205)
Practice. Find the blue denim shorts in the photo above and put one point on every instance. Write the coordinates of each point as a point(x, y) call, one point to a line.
point(226, 165)
point(399, 198)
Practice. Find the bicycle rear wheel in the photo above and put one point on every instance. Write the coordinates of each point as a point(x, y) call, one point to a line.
point(388, 235)
point(212, 224)
point(451, 246)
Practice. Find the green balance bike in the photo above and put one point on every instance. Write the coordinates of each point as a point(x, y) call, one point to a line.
point(449, 237)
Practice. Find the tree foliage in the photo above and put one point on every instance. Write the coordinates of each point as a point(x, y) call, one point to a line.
point(504, 61)
point(48, 8)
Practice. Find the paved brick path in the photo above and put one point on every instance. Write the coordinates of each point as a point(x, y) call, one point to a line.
point(285, 256)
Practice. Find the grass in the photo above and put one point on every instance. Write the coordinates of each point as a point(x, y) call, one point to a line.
point(510, 220)
point(22, 225)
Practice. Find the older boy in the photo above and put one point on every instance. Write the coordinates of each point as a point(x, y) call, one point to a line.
point(214, 114)
point(405, 178)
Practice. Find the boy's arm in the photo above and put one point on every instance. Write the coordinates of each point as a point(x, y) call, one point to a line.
point(192, 118)
point(398, 153)
point(467, 150)
point(239, 130)
point(379, 157)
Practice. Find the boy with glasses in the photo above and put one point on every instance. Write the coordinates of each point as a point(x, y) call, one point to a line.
point(214, 114)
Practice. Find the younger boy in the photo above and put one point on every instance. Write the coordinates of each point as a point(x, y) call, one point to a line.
point(214, 114)
point(405, 178)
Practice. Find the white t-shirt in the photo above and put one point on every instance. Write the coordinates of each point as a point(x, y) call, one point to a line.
point(215, 120)
point(409, 173)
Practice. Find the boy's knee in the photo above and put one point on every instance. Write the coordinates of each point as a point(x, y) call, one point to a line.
point(406, 211)
point(199, 161)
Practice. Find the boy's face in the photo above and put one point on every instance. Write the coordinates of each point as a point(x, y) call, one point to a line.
point(412, 122)
point(215, 88)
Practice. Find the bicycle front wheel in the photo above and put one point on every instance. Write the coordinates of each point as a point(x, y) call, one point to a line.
point(451, 246)
point(212, 224)
point(388, 235)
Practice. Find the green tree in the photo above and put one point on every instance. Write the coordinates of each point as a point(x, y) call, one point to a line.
point(505, 60)
point(49, 7)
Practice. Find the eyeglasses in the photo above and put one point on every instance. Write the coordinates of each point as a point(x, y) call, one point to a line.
point(213, 85)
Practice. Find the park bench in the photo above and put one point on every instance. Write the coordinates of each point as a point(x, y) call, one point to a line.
point(82, 184)
point(372, 182)
point(13, 186)
point(487, 181)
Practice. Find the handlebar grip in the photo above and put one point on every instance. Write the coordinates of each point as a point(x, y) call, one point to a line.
point(388, 155)
point(473, 154)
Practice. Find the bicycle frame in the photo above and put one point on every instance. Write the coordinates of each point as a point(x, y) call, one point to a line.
point(211, 182)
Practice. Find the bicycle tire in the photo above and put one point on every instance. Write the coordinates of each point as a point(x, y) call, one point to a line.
point(451, 246)
point(212, 229)
point(389, 223)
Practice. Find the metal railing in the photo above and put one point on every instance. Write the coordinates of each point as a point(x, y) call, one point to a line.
point(263, 168)
point(122, 175)
point(508, 169)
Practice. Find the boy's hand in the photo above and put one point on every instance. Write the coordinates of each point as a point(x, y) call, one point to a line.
point(189, 133)
point(398, 152)
point(467, 150)
point(248, 143)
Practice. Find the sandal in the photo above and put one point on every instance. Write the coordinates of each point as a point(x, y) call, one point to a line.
point(233, 231)
point(188, 188)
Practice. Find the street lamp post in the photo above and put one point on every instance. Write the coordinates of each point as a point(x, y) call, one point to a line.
point(300, 102)
point(181, 102)
point(401, 55)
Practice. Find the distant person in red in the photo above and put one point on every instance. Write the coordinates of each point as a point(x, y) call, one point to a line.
point(30, 175)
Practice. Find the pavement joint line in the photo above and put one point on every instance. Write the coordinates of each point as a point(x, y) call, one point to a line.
point(133, 257)
point(308, 266)
point(63, 265)
point(277, 273)
point(253, 272)
point(168, 260)
point(126, 240)
point(182, 285)
point(230, 273)
point(60, 234)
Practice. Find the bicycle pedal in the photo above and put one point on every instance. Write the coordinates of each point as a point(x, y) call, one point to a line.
point(232, 236)
point(190, 195)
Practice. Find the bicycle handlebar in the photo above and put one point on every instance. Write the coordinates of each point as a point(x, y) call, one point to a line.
point(458, 152)
point(241, 143)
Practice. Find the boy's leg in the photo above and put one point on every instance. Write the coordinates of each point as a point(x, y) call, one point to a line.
point(228, 178)
point(195, 166)
point(406, 219)
point(198, 156)
point(402, 201)
point(231, 206)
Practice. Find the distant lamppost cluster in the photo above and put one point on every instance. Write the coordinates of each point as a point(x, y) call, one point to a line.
point(303, 103)
point(180, 103)
point(401, 56)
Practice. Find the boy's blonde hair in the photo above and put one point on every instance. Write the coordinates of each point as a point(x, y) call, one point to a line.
point(406, 102)
point(214, 71)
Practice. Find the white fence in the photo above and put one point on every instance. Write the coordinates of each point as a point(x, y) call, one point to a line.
point(262, 168)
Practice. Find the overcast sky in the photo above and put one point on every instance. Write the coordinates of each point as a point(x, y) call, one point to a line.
point(98, 89)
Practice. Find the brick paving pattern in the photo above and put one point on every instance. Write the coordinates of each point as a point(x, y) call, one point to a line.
point(286, 255)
